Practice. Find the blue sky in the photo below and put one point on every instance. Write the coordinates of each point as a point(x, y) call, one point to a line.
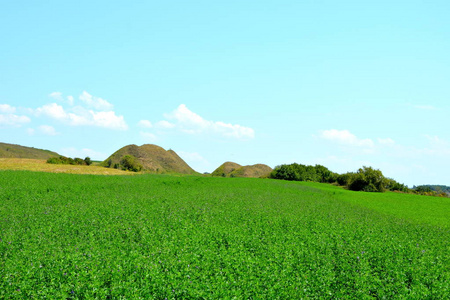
point(338, 83)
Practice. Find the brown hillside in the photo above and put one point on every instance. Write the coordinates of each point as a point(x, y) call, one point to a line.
point(231, 169)
point(225, 169)
point(17, 151)
point(258, 170)
point(152, 158)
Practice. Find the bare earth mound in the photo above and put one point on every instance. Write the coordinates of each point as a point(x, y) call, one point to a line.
point(225, 169)
point(152, 158)
point(17, 151)
point(230, 169)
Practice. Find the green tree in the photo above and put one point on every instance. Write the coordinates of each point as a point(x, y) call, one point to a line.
point(367, 179)
point(129, 162)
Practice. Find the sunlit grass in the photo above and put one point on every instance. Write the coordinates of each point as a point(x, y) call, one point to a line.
point(158, 236)
point(39, 165)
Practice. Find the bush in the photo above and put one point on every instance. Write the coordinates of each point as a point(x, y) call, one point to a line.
point(130, 163)
point(88, 161)
point(62, 160)
point(367, 179)
point(298, 172)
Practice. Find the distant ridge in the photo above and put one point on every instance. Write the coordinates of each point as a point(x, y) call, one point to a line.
point(231, 169)
point(17, 151)
point(152, 158)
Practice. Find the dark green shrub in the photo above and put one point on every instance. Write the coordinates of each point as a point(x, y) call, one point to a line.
point(130, 163)
point(367, 179)
point(88, 161)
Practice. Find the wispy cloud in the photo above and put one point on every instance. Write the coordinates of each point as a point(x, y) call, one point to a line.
point(9, 118)
point(47, 130)
point(148, 137)
point(95, 102)
point(346, 138)
point(145, 124)
point(98, 112)
point(82, 153)
point(189, 122)
point(425, 107)
point(59, 97)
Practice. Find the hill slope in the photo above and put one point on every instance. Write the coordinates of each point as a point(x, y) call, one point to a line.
point(231, 169)
point(17, 151)
point(152, 158)
point(225, 169)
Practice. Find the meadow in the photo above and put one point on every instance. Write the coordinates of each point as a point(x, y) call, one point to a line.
point(70, 236)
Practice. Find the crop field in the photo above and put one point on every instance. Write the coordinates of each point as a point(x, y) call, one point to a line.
point(70, 236)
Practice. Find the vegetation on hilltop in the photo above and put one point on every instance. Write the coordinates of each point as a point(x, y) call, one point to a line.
point(148, 158)
point(17, 151)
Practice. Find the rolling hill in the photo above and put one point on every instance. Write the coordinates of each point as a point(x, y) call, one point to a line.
point(152, 158)
point(17, 151)
point(231, 169)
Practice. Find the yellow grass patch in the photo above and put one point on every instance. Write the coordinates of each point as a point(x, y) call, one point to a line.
point(39, 165)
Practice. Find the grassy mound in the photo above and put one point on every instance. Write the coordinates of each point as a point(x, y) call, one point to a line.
point(231, 169)
point(151, 158)
point(17, 151)
point(225, 169)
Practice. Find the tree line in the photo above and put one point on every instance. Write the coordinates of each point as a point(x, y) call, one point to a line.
point(63, 160)
point(365, 179)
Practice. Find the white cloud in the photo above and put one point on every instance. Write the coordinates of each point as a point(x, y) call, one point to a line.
point(190, 122)
point(425, 107)
point(59, 97)
point(95, 102)
point(82, 153)
point(145, 124)
point(47, 130)
point(13, 120)
point(386, 142)
point(30, 131)
point(80, 116)
point(7, 109)
point(148, 137)
point(195, 160)
point(8, 118)
point(52, 110)
point(56, 96)
point(164, 124)
point(346, 138)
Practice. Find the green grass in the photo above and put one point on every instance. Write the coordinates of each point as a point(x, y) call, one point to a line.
point(155, 237)
point(413, 208)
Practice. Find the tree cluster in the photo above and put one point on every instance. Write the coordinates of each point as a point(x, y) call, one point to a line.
point(365, 179)
point(298, 172)
point(62, 160)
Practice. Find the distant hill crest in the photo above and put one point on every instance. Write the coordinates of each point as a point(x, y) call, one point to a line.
point(231, 169)
point(17, 151)
point(152, 158)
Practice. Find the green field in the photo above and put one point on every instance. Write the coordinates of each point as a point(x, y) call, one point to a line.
point(68, 236)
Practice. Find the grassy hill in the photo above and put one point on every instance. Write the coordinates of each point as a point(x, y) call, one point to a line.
point(17, 151)
point(225, 169)
point(231, 169)
point(152, 158)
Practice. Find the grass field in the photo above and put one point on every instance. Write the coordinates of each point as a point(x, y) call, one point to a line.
point(69, 236)
point(41, 165)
